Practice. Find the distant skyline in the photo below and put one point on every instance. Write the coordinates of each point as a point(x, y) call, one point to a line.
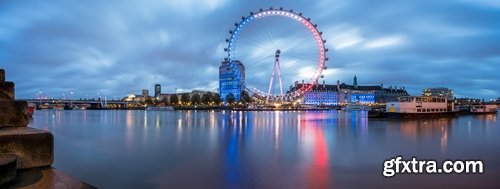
point(116, 48)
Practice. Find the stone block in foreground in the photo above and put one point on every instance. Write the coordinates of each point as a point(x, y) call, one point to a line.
point(13, 113)
point(32, 147)
point(2, 75)
point(8, 168)
point(47, 177)
point(7, 90)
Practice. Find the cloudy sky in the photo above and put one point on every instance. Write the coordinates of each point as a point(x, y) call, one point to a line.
point(119, 47)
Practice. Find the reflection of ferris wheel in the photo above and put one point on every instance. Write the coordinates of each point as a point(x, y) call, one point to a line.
point(283, 41)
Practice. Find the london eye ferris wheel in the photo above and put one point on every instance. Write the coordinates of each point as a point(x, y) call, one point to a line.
point(283, 53)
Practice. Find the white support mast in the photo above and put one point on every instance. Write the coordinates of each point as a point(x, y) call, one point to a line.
point(276, 64)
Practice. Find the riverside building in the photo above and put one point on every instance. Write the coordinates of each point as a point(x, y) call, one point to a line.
point(438, 92)
point(341, 93)
point(231, 79)
point(157, 91)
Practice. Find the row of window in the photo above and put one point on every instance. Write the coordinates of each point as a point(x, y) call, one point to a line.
point(321, 99)
point(424, 99)
point(432, 110)
point(231, 83)
point(320, 102)
point(320, 96)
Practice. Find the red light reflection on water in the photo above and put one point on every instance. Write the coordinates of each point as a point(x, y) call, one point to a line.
point(318, 173)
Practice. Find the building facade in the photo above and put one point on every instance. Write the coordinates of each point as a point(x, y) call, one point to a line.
point(340, 94)
point(438, 92)
point(157, 91)
point(231, 79)
point(145, 92)
point(194, 92)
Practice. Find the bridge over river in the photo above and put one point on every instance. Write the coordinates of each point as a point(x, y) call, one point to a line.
point(83, 104)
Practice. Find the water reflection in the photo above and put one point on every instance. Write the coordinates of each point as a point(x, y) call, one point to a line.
point(318, 173)
point(234, 135)
point(129, 118)
point(231, 149)
point(240, 135)
point(425, 128)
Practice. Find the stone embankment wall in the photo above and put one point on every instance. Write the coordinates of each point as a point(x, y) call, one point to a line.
point(21, 147)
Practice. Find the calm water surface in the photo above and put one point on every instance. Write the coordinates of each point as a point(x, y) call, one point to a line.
point(224, 149)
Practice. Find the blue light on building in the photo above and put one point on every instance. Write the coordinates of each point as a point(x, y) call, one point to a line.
point(231, 79)
point(341, 94)
point(363, 98)
point(321, 98)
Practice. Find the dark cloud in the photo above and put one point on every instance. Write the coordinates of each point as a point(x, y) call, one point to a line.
point(116, 48)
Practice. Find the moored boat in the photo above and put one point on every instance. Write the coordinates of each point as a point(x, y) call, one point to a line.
point(58, 107)
point(355, 107)
point(421, 107)
point(43, 106)
point(484, 109)
point(377, 113)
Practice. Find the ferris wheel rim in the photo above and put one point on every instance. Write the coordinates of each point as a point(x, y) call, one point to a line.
point(312, 28)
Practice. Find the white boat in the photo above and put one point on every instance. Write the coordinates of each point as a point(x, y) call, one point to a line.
point(355, 107)
point(421, 106)
point(160, 108)
point(484, 109)
point(58, 107)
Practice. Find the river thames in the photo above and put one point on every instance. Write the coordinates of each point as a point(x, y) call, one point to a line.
point(280, 149)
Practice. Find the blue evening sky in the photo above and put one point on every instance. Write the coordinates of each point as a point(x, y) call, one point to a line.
point(119, 47)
